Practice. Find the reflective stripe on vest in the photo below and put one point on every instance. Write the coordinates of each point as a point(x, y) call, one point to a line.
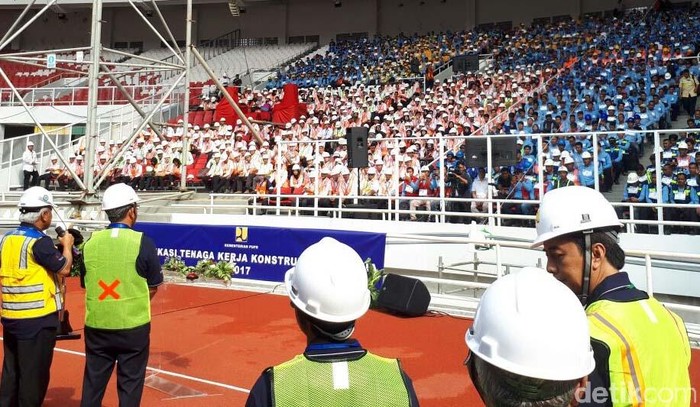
point(367, 382)
point(116, 296)
point(649, 352)
point(28, 290)
point(686, 194)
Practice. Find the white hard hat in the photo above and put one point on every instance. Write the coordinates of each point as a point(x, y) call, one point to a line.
point(562, 169)
point(30, 143)
point(573, 209)
point(682, 144)
point(632, 178)
point(530, 324)
point(548, 162)
point(585, 155)
point(36, 197)
point(568, 160)
point(329, 282)
point(118, 195)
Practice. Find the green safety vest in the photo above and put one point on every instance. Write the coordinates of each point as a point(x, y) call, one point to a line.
point(649, 352)
point(367, 382)
point(116, 296)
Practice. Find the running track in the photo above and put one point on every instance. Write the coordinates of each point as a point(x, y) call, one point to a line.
point(217, 342)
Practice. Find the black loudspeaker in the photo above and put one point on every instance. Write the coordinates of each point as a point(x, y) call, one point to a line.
point(357, 147)
point(404, 296)
point(465, 63)
point(502, 149)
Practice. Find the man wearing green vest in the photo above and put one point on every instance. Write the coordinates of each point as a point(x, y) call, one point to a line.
point(30, 268)
point(641, 348)
point(328, 292)
point(121, 274)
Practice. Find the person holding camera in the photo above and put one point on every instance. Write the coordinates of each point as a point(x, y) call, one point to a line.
point(461, 182)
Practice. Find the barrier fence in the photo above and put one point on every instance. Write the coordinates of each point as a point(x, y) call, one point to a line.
point(441, 207)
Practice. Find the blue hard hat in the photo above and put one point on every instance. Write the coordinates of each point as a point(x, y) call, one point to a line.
point(460, 154)
point(587, 117)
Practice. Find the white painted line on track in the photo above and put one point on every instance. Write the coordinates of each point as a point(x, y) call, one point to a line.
point(168, 373)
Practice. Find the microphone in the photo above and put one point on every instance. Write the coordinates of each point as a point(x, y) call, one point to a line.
point(60, 232)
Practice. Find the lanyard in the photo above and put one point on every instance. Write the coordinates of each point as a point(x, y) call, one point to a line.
point(333, 346)
point(118, 226)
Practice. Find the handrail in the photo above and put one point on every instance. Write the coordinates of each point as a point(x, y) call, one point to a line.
point(57, 96)
point(501, 267)
point(494, 214)
point(123, 115)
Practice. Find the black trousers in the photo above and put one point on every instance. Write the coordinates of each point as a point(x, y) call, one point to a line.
point(26, 369)
point(102, 349)
point(689, 104)
point(31, 179)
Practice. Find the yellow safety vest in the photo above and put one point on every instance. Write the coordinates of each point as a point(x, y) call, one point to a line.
point(28, 289)
point(649, 352)
point(366, 382)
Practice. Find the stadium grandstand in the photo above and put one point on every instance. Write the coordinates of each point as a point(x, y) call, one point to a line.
point(421, 132)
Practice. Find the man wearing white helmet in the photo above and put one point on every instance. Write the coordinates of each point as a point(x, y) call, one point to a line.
point(29, 276)
point(334, 370)
point(29, 166)
point(641, 348)
point(523, 350)
point(51, 173)
point(121, 274)
point(635, 191)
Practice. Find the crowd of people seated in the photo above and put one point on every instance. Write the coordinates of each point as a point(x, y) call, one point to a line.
point(630, 81)
point(380, 60)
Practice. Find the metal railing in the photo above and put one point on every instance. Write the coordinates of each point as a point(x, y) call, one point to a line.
point(474, 275)
point(115, 124)
point(78, 95)
point(457, 275)
point(397, 208)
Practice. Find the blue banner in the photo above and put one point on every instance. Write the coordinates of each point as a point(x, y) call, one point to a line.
point(259, 253)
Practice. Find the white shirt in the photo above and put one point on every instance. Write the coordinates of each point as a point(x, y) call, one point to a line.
point(480, 188)
point(29, 161)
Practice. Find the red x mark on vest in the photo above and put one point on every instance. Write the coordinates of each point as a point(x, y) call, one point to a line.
point(109, 290)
